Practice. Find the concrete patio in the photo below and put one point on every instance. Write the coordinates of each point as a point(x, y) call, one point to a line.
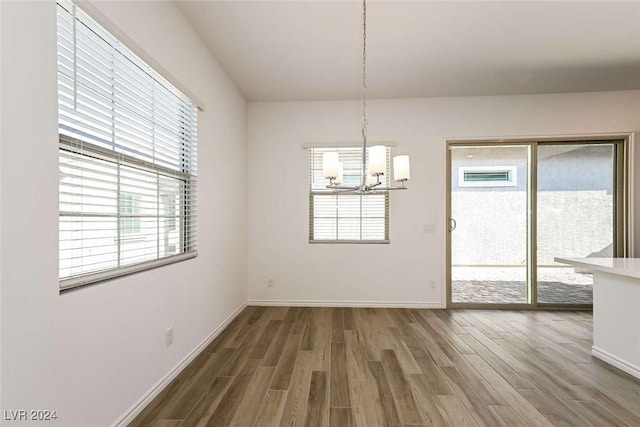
point(506, 285)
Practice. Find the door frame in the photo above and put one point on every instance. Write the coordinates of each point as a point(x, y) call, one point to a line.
point(623, 218)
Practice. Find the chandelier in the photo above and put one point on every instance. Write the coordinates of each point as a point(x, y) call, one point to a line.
point(376, 167)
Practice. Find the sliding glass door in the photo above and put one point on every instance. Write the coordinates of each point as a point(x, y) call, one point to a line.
point(514, 207)
point(489, 223)
point(576, 217)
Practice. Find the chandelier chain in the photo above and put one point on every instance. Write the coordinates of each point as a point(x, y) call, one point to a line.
point(334, 171)
point(364, 68)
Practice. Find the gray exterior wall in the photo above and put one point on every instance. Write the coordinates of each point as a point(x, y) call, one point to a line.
point(575, 206)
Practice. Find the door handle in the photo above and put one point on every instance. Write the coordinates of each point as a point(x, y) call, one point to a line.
point(452, 224)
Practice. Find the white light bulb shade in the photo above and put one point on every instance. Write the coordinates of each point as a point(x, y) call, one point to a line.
point(401, 169)
point(377, 159)
point(330, 165)
point(340, 178)
point(370, 179)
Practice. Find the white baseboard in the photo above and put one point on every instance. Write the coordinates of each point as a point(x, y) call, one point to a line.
point(612, 360)
point(328, 303)
point(160, 385)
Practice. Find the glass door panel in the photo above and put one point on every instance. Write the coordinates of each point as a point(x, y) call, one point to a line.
point(489, 224)
point(575, 217)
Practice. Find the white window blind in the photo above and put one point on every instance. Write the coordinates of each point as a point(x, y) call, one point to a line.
point(346, 218)
point(127, 158)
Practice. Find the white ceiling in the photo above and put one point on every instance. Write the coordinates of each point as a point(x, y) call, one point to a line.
point(311, 50)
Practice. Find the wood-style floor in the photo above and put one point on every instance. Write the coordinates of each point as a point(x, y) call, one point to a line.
point(280, 366)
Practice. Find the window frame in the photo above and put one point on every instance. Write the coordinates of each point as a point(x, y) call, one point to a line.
point(327, 192)
point(73, 146)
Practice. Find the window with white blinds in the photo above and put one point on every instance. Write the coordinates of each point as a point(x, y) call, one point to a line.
point(346, 218)
point(127, 158)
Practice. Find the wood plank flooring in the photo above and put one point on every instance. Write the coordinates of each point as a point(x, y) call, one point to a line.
point(281, 366)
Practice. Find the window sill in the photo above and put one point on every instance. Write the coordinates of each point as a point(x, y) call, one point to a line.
point(349, 242)
point(93, 278)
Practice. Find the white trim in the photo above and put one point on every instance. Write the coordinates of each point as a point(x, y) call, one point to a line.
point(615, 361)
point(330, 303)
point(346, 144)
point(137, 407)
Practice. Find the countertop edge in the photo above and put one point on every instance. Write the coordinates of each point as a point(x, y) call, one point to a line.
point(593, 265)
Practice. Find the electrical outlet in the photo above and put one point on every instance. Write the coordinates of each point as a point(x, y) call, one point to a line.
point(270, 283)
point(432, 284)
point(168, 337)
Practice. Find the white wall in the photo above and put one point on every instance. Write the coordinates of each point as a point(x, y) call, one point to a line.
point(92, 353)
point(398, 272)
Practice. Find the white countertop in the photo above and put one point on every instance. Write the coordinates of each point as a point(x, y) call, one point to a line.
point(629, 267)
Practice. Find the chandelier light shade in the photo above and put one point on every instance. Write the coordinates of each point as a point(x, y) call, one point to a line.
point(330, 165)
point(377, 160)
point(376, 166)
point(401, 168)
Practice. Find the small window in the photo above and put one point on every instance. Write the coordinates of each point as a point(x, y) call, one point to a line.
point(129, 213)
point(487, 176)
point(345, 218)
